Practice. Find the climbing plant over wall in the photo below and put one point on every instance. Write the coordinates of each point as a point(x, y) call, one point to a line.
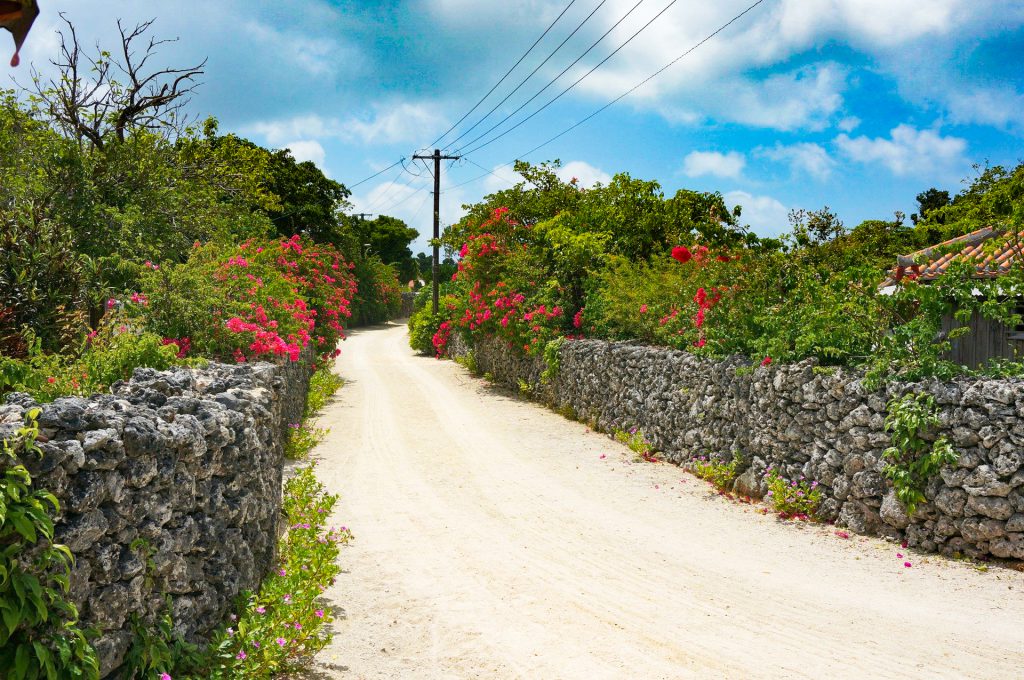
point(39, 636)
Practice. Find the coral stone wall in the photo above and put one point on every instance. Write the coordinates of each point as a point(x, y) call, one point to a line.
point(180, 468)
point(821, 424)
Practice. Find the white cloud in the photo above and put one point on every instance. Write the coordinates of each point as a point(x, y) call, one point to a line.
point(765, 215)
point(907, 151)
point(998, 106)
point(308, 150)
point(805, 98)
point(316, 56)
point(388, 124)
point(803, 158)
point(849, 124)
point(403, 122)
point(735, 77)
point(701, 163)
point(586, 174)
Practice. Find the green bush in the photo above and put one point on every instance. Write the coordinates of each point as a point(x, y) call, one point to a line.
point(422, 327)
point(911, 460)
point(109, 354)
point(379, 297)
point(720, 473)
point(39, 634)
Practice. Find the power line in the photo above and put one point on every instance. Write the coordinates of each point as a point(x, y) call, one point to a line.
point(534, 71)
point(507, 74)
point(577, 82)
point(647, 79)
point(379, 172)
point(392, 186)
point(621, 96)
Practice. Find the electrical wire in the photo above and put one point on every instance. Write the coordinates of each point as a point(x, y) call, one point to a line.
point(560, 94)
point(647, 79)
point(379, 172)
point(620, 97)
point(534, 71)
point(507, 74)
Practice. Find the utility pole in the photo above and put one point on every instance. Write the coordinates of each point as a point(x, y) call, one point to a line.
point(436, 265)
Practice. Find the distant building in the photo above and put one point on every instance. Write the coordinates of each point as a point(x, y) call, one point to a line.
point(993, 253)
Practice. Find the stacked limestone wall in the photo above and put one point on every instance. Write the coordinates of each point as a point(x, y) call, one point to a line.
point(182, 468)
point(822, 424)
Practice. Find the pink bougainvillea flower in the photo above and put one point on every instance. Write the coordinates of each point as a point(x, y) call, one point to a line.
point(842, 534)
point(643, 309)
point(682, 254)
point(899, 556)
point(165, 676)
point(603, 456)
point(261, 610)
point(766, 361)
point(907, 564)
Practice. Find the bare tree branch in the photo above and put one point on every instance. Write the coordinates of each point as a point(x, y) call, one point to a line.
point(96, 97)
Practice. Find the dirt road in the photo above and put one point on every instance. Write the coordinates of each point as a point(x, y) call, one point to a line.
point(495, 539)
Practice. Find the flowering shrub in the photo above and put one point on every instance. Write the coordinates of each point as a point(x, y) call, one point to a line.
point(254, 300)
point(285, 622)
point(797, 498)
point(496, 290)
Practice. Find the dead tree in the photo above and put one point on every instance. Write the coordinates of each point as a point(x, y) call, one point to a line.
point(97, 97)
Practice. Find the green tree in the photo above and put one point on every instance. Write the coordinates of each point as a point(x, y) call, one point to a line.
point(309, 203)
point(928, 201)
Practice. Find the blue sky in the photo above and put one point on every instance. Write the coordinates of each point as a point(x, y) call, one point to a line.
point(854, 104)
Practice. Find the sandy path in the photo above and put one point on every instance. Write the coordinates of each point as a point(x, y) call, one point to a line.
point(494, 541)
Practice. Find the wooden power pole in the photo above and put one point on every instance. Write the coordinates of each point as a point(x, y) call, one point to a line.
point(436, 265)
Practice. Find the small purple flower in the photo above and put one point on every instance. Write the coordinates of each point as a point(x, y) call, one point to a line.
point(240, 656)
point(298, 626)
point(255, 644)
point(287, 598)
point(282, 573)
point(231, 632)
point(280, 642)
point(319, 613)
point(261, 610)
point(165, 676)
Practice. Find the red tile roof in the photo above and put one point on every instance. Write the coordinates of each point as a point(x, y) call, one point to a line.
point(990, 259)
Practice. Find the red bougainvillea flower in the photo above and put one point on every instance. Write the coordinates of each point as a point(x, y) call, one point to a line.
point(766, 361)
point(643, 309)
point(682, 254)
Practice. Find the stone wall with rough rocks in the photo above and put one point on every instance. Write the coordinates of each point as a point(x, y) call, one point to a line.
point(182, 468)
point(822, 424)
